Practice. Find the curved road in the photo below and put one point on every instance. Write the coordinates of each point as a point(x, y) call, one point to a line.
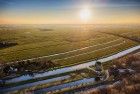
point(66, 69)
point(38, 75)
point(72, 68)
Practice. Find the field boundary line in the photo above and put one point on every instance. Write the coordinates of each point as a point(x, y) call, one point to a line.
point(94, 50)
point(46, 46)
point(43, 57)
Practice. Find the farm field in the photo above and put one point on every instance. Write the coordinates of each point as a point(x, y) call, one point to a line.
point(64, 45)
point(57, 84)
point(69, 46)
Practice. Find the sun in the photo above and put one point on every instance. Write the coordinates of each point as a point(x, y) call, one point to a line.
point(85, 14)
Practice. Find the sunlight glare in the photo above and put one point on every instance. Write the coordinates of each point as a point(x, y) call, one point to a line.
point(85, 14)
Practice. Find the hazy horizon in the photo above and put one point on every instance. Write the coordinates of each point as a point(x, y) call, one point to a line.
point(69, 12)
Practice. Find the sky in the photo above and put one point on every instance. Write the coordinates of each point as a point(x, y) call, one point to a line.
point(69, 11)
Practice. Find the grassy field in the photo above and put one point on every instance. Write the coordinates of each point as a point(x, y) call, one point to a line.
point(75, 43)
point(65, 45)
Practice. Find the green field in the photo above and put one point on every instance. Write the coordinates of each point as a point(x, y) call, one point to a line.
point(71, 44)
point(65, 45)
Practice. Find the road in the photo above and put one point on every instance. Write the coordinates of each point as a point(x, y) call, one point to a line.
point(39, 75)
point(66, 69)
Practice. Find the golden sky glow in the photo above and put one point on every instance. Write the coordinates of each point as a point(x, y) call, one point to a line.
point(69, 12)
